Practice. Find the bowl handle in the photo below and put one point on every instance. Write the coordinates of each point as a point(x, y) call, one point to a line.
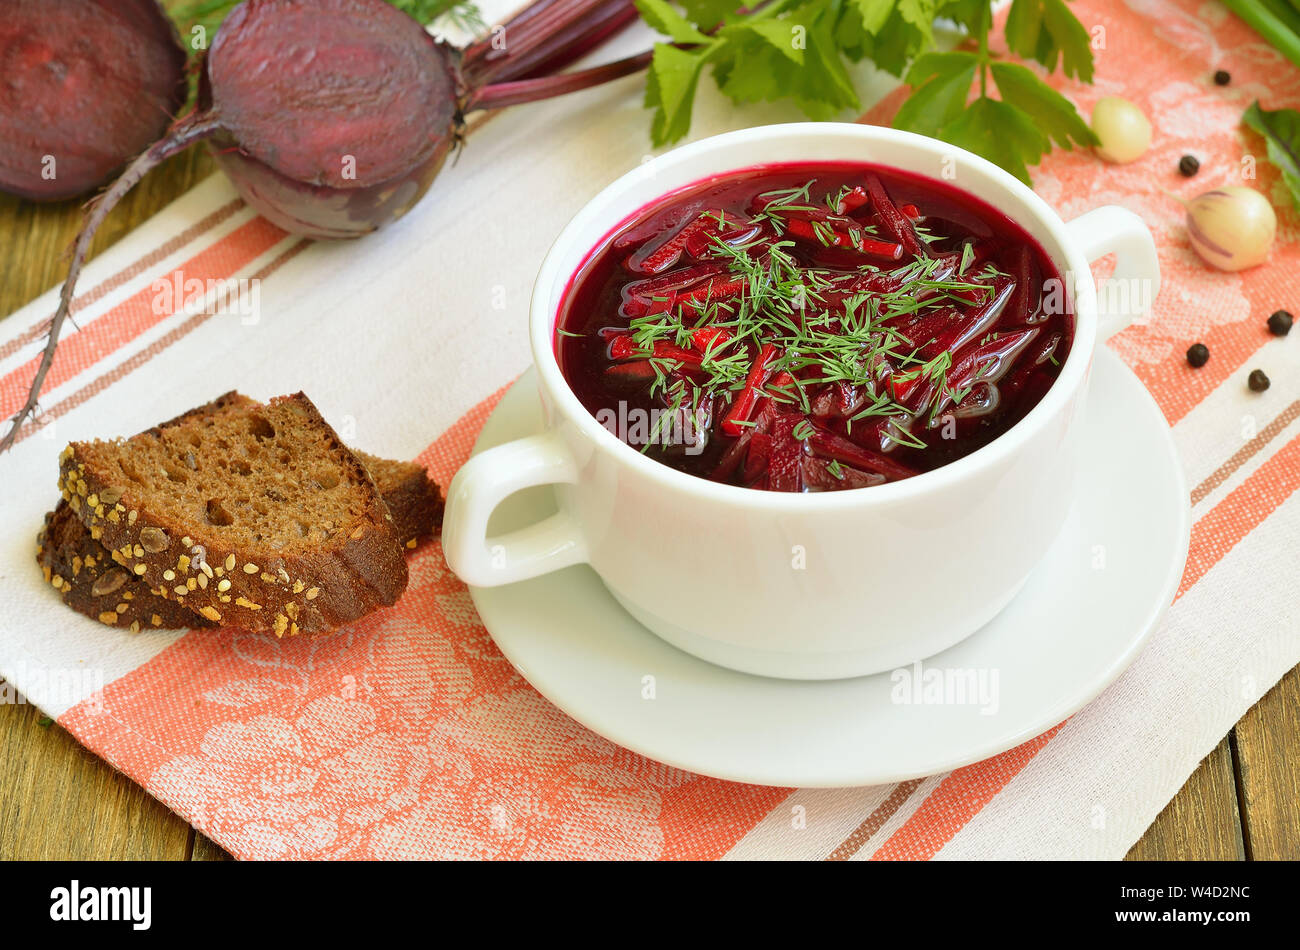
point(1125, 296)
point(483, 483)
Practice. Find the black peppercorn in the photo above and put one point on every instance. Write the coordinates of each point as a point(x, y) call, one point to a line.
point(1198, 354)
point(1257, 381)
point(1279, 323)
point(1222, 77)
point(1188, 166)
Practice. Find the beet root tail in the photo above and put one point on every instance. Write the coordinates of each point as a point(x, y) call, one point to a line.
point(185, 132)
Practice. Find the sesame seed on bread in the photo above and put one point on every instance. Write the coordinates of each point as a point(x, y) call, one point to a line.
point(92, 583)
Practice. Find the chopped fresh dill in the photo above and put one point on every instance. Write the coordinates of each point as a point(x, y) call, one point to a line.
point(843, 340)
point(967, 257)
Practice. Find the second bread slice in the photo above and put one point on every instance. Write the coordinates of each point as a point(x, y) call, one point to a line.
point(254, 516)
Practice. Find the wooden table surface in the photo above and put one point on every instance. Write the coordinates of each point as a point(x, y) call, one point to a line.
point(59, 801)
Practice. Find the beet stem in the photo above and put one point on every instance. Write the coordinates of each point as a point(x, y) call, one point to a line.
point(504, 94)
point(544, 37)
point(195, 127)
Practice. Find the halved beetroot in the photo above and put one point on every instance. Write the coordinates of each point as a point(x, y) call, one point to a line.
point(334, 116)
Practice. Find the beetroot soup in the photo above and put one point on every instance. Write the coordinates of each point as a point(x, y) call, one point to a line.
point(812, 327)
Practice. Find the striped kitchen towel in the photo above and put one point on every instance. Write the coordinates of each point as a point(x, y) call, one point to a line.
point(408, 734)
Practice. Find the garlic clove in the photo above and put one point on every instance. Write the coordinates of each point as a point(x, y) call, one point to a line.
point(1123, 130)
point(1231, 228)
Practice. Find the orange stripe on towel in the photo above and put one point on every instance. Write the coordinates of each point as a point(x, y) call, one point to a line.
point(957, 800)
point(135, 315)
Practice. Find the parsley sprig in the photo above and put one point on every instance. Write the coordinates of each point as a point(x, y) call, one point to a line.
point(798, 49)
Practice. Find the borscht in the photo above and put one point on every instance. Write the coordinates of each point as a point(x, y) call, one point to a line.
point(813, 327)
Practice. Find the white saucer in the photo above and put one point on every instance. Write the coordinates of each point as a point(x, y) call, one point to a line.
point(1078, 623)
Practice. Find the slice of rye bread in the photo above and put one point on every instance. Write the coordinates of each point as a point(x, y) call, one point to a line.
point(412, 498)
point(256, 516)
point(73, 562)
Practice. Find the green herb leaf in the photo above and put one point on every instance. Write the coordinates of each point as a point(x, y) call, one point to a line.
point(661, 16)
point(824, 88)
point(706, 14)
point(1051, 111)
point(972, 14)
point(942, 83)
point(1046, 31)
point(1014, 133)
point(919, 14)
point(670, 91)
point(873, 14)
point(795, 56)
point(779, 34)
point(1281, 131)
point(740, 82)
point(903, 36)
point(1001, 133)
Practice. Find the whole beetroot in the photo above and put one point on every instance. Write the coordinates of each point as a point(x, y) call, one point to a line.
point(85, 86)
